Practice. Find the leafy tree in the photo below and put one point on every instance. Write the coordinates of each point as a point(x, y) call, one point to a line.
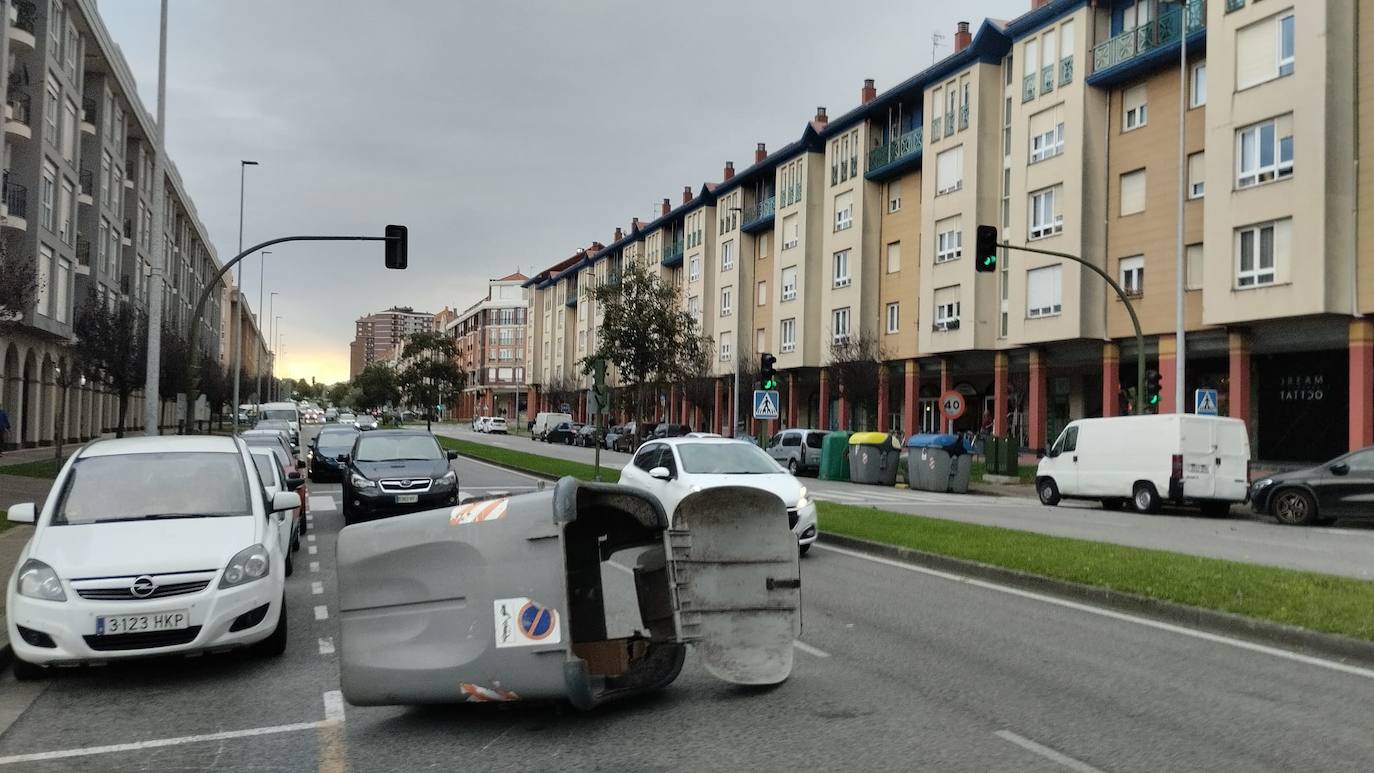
point(854, 367)
point(112, 344)
point(69, 373)
point(337, 394)
point(375, 387)
point(174, 370)
point(563, 389)
point(431, 374)
point(18, 285)
point(214, 384)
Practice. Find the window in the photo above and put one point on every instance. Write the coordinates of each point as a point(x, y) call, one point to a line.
point(949, 171)
point(1133, 275)
point(1051, 58)
point(694, 268)
point(43, 298)
point(1031, 61)
point(581, 342)
point(1134, 110)
point(1046, 134)
point(839, 325)
point(49, 196)
point(787, 334)
point(894, 257)
point(1196, 181)
point(69, 131)
point(894, 196)
point(763, 293)
point(893, 317)
point(844, 211)
point(1197, 82)
point(101, 235)
point(761, 340)
point(724, 347)
point(1044, 291)
point(64, 274)
point(727, 301)
point(762, 242)
point(1258, 249)
point(1135, 15)
point(937, 103)
point(1286, 44)
point(841, 274)
point(727, 256)
point(791, 232)
point(55, 26)
point(947, 308)
point(949, 240)
point(694, 308)
point(1264, 51)
point(1192, 259)
point(52, 108)
point(70, 49)
point(64, 211)
point(1133, 192)
point(789, 283)
point(1264, 152)
point(1045, 217)
point(105, 163)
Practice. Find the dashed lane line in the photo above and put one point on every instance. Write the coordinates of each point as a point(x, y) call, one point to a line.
point(326, 645)
point(321, 612)
point(1046, 752)
point(314, 566)
point(312, 549)
point(317, 588)
point(165, 742)
point(808, 649)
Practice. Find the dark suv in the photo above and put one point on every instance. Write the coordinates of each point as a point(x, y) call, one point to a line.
point(396, 471)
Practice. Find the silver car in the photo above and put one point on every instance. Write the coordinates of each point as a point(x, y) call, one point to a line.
point(799, 450)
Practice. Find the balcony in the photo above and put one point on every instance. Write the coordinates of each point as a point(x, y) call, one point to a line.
point(895, 155)
point(759, 215)
point(87, 194)
point(17, 114)
point(125, 282)
point(16, 206)
point(23, 23)
point(1028, 88)
point(1137, 51)
point(672, 253)
point(963, 117)
point(1065, 71)
point(949, 125)
point(1046, 80)
point(83, 255)
point(935, 128)
point(88, 116)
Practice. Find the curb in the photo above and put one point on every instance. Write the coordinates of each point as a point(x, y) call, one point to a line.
point(1226, 623)
point(512, 467)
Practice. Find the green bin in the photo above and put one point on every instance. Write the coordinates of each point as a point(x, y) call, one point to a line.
point(835, 456)
point(874, 457)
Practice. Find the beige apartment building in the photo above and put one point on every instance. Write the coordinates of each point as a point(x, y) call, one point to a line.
point(490, 340)
point(379, 337)
point(1081, 128)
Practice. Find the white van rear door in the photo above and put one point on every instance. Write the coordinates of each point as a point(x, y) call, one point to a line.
point(1233, 461)
point(1199, 447)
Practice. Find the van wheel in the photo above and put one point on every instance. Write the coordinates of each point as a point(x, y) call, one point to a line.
point(792, 467)
point(1112, 504)
point(1145, 498)
point(1048, 491)
point(1216, 508)
point(1294, 507)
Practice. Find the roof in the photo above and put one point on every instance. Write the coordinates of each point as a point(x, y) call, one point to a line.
point(517, 276)
point(161, 444)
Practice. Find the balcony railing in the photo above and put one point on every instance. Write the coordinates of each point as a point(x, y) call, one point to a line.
point(1066, 70)
point(949, 124)
point(1028, 88)
point(936, 127)
point(1163, 31)
point(963, 117)
point(83, 251)
point(88, 182)
point(1047, 79)
point(904, 145)
point(17, 200)
point(1234, 5)
point(672, 251)
point(759, 211)
point(88, 111)
point(26, 16)
point(18, 101)
point(790, 195)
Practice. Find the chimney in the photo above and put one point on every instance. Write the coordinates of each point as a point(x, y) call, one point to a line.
point(618, 234)
point(820, 119)
point(667, 206)
point(962, 37)
point(729, 170)
point(596, 247)
point(760, 153)
point(869, 92)
point(634, 224)
point(686, 195)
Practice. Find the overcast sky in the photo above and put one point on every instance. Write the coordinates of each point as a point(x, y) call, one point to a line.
point(504, 133)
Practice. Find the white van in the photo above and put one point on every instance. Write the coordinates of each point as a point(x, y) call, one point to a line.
point(283, 411)
point(545, 421)
point(1183, 459)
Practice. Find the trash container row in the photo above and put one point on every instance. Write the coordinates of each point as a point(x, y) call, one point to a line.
point(938, 462)
point(874, 457)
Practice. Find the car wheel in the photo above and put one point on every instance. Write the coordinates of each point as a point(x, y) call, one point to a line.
point(290, 565)
point(1112, 504)
point(1216, 509)
point(792, 467)
point(25, 671)
point(1048, 492)
point(296, 538)
point(803, 548)
point(347, 511)
point(1294, 507)
point(1145, 498)
point(275, 644)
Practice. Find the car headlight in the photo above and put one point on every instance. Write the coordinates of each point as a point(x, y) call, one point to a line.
point(246, 566)
point(1262, 483)
point(358, 481)
point(447, 479)
point(803, 500)
point(37, 580)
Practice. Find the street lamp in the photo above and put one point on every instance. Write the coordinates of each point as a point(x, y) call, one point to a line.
point(271, 326)
point(238, 293)
point(276, 348)
point(262, 272)
point(1180, 259)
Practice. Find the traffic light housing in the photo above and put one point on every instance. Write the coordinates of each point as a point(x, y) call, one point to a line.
point(1152, 388)
point(396, 250)
point(768, 377)
point(986, 248)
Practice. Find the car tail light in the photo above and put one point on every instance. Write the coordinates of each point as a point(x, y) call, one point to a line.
point(1176, 468)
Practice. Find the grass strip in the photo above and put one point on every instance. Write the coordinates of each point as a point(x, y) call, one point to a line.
point(542, 465)
point(4, 521)
point(46, 469)
point(1319, 602)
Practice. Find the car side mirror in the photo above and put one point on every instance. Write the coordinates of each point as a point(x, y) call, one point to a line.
point(1041, 454)
point(661, 473)
point(285, 500)
point(21, 513)
point(342, 458)
point(1340, 469)
point(452, 455)
point(300, 465)
point(294, 481)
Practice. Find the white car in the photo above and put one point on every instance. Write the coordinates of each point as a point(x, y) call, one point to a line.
point(348, 420)
point(672, 468)
point(479, 423)
point(495, 425)
point(149, 546)
point(270, 473)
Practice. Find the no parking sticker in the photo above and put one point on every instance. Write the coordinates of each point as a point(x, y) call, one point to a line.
point(521, 622)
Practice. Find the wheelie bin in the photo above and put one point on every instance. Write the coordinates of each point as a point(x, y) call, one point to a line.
point(874, 457)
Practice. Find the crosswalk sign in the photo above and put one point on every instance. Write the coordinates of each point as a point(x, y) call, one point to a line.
point(765, 404)
point(1205, 402)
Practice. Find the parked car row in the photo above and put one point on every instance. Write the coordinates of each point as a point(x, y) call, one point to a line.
point(495, 425)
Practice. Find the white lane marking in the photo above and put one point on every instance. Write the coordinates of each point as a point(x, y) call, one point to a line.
point(1046, 752)
point(314, 566)
point(333, 706)
point(1145, 621)
point(164, 742)
point(321, 501)
point(808, 649)
point(621, 567)
point(321, 612)
point(310, 538)
point(317, 588)
point(326, 645)
point(312, 549)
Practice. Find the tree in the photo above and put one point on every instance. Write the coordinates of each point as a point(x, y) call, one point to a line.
point(431, 374)
point(214, 384)
point(337, 394)
point(563, 389)
point(645, 334)
point(18, 285)
point(375, 387)
point(111, 342)
point(854, 366)
point(174, 369)
point(70, 372)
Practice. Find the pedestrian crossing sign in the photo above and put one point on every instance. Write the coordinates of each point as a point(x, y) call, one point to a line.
point(1205, 402)
point(765, 404)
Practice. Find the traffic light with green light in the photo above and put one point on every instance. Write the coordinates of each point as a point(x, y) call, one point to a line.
point(986, 246)
point(767, 375)
point(1152, 388)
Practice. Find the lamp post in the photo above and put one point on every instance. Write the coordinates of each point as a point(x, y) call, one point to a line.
point(152, 406)
point(262, 272)
point(276, 349)
point(1180, 259)
point(271, 326)
point(238, 294)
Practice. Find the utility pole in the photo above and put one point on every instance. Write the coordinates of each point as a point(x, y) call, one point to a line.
point(152, 406)
point(238, 296)
point(268, 342)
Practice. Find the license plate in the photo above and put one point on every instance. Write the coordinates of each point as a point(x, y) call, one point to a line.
point(407, 499)
point(111, 625)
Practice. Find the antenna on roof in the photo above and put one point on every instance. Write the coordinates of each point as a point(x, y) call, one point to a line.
point(937, 39)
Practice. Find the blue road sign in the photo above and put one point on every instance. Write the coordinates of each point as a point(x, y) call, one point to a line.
point(765, 404)
point(1205, 402)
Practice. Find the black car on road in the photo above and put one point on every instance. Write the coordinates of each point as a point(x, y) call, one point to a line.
point(323, 457)
point(565, 433)
point(396, 471)
point(1340, 488)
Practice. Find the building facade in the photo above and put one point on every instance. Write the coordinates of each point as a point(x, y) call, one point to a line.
point(379, 337)
point(490, 342)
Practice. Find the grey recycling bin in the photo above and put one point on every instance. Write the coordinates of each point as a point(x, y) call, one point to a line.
point(873, 458)
point(937, 462)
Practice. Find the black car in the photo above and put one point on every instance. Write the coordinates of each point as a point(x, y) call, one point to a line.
point(396, 471)
point(587, 436)
point(324, 452)
point(565, 432)
point(1340, 488)
point(666, 430)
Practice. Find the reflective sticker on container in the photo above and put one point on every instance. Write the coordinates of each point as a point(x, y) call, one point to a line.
point(520, 622)
point(476, 693)
point(475, 512)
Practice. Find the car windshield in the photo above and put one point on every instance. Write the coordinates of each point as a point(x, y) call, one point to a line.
point(267, 467)
point(346, 417)
point(342, 441)
point(725, 459)
point(282, 414)
point(273, 424)
point(132, 487)
point(380, 449)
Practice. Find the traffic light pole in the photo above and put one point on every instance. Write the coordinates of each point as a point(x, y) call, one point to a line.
point(1135, 321)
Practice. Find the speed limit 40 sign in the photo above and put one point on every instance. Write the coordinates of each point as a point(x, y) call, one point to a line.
point(952, 405)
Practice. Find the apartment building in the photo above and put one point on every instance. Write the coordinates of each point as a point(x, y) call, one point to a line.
point(489, 337)
point(1135, 134)
point(77, 207)
point(379, 337)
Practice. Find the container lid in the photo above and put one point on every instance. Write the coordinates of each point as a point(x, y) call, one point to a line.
point(933, 440)
point(869, 438)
